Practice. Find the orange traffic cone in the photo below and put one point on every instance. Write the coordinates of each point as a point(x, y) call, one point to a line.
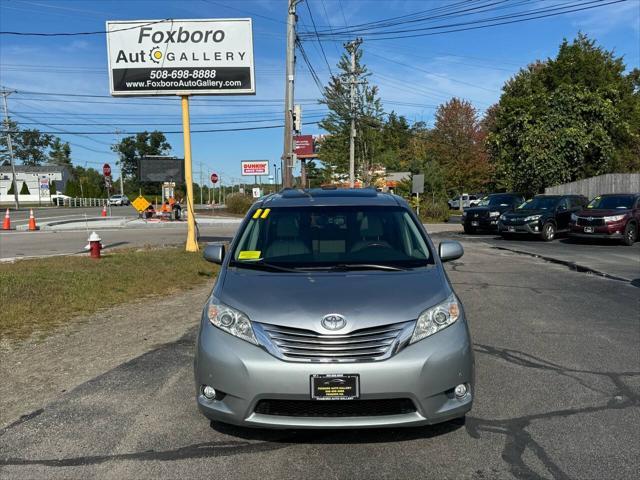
point(32, 221)
point(6, 225)
point(104, 211)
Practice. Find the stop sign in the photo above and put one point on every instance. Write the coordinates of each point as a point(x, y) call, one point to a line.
point(106, 170)
point(214, 178)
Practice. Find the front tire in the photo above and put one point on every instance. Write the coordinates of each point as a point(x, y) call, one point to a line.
point(548, 232)
point(630, 234)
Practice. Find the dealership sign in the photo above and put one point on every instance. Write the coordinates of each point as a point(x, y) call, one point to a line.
point(181, 57)
point(255, 167)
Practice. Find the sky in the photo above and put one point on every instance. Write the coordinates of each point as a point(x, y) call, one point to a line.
point(414, 75)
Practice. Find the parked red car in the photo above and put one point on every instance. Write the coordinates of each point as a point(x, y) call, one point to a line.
point(609, 216)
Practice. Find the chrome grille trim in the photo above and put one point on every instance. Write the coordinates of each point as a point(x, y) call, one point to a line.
point(302, 345)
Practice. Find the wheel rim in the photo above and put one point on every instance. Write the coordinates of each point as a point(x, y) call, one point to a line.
point(631, 233)
point(549, 232)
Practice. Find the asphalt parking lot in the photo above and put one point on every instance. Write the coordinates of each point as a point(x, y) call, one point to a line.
point(557, 396)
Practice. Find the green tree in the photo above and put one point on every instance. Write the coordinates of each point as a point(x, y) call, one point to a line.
point(456, 143)
point(133, 147)
point(565, 119)
point(60, 153)
point(30, 146)
point(367, 112)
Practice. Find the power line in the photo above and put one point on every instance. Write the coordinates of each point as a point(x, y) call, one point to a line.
point(240, 129)
point(73, 34)
point(473, 24)
point(313, 22)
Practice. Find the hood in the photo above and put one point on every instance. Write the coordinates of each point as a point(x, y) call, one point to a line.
point(592, 212)
point(365, 299)
point(526, 213)
point(479, 210)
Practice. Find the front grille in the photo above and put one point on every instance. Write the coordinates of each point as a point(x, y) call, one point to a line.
point(482, 214)
point(590, 221)
point(366, 344)
point(514, 221)
point(335, 408)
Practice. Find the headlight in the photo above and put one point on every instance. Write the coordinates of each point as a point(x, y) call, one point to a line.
point(574, 217)
point(230, 320)
point(614, 218)
point(494, 214)
point(503, 217)
point(531, 218)
point(436, 318)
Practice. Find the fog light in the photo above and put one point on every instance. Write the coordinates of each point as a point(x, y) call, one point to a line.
point(460, 391)
point(535, 228)
point(210, 392)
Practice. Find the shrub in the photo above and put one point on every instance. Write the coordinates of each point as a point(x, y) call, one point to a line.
point(238, 203)
point(437, 211)
point(25, 189)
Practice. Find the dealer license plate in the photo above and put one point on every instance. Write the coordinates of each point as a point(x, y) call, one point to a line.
point(588, 229)
point(335, 387)
point(475, 224)
point(511, 229)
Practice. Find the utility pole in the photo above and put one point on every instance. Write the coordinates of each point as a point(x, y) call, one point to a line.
point(352, 48)
point(287, 156)
point(118, 132)
point(201, 183)
point(5, 93)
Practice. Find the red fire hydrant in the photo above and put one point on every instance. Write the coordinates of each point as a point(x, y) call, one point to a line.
point(94, 245)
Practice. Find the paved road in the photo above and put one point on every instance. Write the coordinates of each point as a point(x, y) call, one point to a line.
point(611, 258)
point(28, 244)
point(558, 396)
point(49, 214)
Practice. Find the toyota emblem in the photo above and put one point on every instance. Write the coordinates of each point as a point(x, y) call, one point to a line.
point(333, 321)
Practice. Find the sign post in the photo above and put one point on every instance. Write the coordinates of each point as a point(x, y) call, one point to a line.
point(417, 187)
point(214, 180)
point(192, 244)
point(184, 58)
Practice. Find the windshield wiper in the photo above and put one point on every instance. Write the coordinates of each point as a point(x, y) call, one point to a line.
point(359, 266)
point(263, 266)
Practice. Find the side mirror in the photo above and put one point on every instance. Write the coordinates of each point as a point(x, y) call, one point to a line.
point(449, 250)
point(214, 253)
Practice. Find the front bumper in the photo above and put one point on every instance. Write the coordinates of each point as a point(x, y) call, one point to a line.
point(530, 228)
point(481, 223)
point(425, 372)
point(608, 231)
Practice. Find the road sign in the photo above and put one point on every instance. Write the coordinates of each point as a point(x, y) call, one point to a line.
point(140, 204)
point(256, 192)
point(106, 170)
point(214, 178)
point(417, 184)
point(181, 57)
point(255, 167)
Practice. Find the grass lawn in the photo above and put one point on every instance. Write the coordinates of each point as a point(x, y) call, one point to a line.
point(39, 295)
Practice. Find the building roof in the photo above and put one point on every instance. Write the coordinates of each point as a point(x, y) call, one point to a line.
point(30, 169)
point(323, 197)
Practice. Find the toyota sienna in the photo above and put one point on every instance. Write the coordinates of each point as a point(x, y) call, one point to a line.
point(332, 310)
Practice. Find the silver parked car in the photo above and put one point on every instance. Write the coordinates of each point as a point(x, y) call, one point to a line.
point(332, 310)
point(119, 200)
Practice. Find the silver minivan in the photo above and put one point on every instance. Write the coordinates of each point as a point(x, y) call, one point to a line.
point(332, 310)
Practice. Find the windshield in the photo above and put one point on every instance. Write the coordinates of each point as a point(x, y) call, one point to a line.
point(540, 203)
point(332, 236)
point(496, 201)
point(617, 202)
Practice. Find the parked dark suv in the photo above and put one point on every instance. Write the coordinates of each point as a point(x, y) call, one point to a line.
point(485, 215)
point(609, 216)
point(544, 216)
